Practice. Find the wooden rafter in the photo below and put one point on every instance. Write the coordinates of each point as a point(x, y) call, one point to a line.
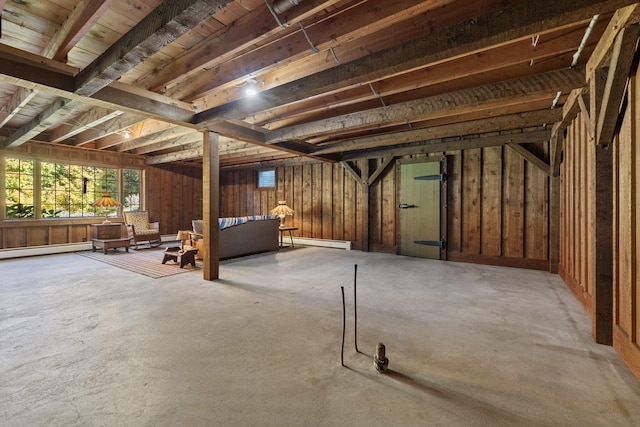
point(451, 144)
point(514, 21)
point(618, 74)
point(480, 126)
point(83, 16)
point(459, 102)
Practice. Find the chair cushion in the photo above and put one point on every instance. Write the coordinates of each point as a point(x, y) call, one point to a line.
point(140, 220)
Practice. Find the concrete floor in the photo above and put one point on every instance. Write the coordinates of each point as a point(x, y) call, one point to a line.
point(86, 344)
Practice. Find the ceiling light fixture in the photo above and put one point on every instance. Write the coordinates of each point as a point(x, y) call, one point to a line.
point(125, 133)
point(252, 86)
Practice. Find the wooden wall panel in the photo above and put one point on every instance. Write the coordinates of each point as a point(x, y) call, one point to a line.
point(577, 230)
point(513, 206)
point(626, 234)
point(491, 205)
point(172, 198)
point(471, 206)
point(490, 191)
point(455, 197)
point(537, 208)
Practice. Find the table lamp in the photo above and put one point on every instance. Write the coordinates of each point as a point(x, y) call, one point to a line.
point(281, 211)
point(106, 202)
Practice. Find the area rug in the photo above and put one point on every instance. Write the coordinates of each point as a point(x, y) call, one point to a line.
point(147, 262)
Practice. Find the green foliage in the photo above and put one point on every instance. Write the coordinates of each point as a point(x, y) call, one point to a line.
point(19, 210)
point(65, 190)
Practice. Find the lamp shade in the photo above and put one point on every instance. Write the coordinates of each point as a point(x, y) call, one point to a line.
point(282, 209)
point(182, 235)
point(106, 201)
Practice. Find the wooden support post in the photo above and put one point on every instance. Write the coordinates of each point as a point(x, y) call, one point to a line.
point(365, 205)
point(602, 253)
point(211, 205)
point(554, 223)
point(602, 227)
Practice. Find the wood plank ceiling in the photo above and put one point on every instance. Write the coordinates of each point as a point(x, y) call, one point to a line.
point(337, 79)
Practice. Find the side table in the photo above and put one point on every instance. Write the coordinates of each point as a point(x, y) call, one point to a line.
point(285, 229)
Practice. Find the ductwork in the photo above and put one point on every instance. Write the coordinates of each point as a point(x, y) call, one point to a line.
point(281, 6)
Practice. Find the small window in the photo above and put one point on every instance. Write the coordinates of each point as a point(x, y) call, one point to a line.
point(267, 178)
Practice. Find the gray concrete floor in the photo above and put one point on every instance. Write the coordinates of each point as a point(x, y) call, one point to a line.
point(86, 344)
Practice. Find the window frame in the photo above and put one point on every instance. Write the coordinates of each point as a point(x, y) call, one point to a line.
point(266, 187)
point(84, 191)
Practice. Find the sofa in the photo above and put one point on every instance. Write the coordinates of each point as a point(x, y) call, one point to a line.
point(240, 236)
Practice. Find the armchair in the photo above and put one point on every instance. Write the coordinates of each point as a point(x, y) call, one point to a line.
point(140, 229)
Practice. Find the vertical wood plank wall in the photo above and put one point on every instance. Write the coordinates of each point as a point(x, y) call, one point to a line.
point(498, 205)
point(498, 209)
point(576, 217)
point(173, 197)
point(626, 235)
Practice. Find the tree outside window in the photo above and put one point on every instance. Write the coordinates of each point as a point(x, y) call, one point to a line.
point(19, 188)
point(131, 189)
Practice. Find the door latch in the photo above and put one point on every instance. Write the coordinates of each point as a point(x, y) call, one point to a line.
point(406, 206)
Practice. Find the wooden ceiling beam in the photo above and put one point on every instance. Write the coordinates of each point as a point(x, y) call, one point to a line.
point(163, 25)
point(601, 56)
point(87, 120)
point(35, 72)
point(481, 126)
point(17, 102)
point(359, 25)
point(513, 21)
point(148, 135)
point(107, 128)
point(83, 16)
point(49, 117)
point(250, 29)
point(511, 60)
point(183, 142)
point(620, 66)
point(451, 144)
point(457, 102)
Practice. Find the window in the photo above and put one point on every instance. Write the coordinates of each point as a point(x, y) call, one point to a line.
point(69, 190)
point(267, 178)
point(39, 189)
point(131, 189)
point(19, 188)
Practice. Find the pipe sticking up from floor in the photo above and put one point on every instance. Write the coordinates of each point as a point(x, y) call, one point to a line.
point(355, 308)
point(344, 325)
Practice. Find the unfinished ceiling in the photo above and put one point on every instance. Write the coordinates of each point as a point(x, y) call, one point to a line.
point(336, 80)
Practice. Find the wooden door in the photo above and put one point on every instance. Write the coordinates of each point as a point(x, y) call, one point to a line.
point(419, 209)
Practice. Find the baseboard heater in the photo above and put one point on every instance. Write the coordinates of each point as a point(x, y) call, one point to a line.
point(43, 250)
point(325, 243)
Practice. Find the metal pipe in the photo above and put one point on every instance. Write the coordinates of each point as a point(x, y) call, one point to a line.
point(282, 6)
point(583, 43)
point(355, 308)
point(344, 325)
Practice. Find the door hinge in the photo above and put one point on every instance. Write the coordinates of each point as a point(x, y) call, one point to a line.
point(442, 244)
point(439, 177)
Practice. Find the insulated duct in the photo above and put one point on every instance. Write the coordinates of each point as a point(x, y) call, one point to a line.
point(281, 6)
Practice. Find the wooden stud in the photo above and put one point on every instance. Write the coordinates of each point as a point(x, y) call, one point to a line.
point(211, 206)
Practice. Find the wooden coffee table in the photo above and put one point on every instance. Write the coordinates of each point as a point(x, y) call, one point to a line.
point(105, 244)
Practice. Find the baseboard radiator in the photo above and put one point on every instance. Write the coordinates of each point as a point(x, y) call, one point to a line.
point(43, 250)
point(303, 241)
